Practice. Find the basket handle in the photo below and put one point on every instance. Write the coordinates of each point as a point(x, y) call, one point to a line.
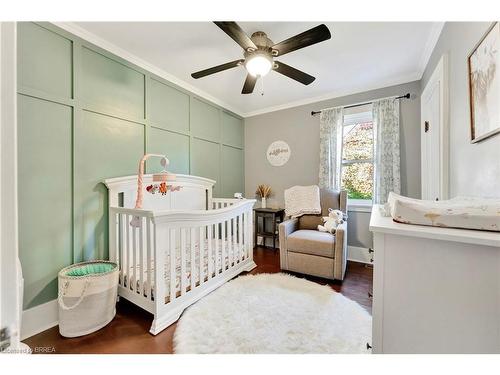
point(82, 296)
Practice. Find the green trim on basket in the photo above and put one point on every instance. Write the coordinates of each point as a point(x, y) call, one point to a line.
point(90, 269)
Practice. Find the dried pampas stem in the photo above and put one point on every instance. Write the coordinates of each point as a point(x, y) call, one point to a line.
point(263, 191)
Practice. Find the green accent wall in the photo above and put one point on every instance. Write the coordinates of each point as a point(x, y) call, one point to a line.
point(84, 115)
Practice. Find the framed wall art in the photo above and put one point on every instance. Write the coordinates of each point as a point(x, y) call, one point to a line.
point(484, 85)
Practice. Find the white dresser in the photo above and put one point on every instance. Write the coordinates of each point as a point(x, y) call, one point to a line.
point(435, 290)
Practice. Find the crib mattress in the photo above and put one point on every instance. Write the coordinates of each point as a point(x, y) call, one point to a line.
point(236, 254)
point(460, 212)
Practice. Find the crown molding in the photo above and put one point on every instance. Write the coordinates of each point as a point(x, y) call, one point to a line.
point(436, 30)
point(432, 40)
point(415, 76)
point(80, 32)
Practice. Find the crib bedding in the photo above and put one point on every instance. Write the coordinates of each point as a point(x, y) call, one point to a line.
point(232, 253)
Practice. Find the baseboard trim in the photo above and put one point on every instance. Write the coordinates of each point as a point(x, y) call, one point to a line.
point(359, 254)
point(39, 318)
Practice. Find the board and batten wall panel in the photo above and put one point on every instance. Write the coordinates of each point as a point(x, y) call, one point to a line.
point(45, 208)
point(169, 108)
point(174, 145)
point(205, 121)
point(110, 86)
point(104, 146)
point(45, 61)
point(232, 165)
point(232, 130)
point(206, 160)
point(86, 115)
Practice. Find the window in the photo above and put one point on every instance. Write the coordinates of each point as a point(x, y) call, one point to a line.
point(357, 155)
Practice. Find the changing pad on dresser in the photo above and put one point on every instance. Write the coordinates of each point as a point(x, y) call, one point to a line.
point(459, 212)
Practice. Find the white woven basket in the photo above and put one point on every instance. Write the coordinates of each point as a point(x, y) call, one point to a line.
point(86, 303)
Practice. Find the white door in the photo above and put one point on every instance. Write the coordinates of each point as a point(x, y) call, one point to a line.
point(434, 135)
point(10, 277)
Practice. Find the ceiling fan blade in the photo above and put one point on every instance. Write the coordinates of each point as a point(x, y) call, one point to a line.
point(216, 69)
point(249, 84)
point(293, 73)
point(237, 34)
point(307, 38)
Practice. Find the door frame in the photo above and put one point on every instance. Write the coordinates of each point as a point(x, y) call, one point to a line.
point(10, 293)
point(439, 77)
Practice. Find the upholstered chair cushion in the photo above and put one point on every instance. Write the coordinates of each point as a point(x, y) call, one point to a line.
point(310, 221)
point(312, 242)
point(329, 199)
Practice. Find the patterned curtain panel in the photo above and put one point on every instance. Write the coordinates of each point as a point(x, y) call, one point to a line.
point(386, 139)
point(330, 145)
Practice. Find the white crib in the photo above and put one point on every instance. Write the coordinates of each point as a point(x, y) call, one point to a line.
point(181, 225)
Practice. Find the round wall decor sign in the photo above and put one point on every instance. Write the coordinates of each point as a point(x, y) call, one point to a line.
point(278, 153)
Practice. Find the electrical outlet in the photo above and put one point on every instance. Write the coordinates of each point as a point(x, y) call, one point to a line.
point(4, 339)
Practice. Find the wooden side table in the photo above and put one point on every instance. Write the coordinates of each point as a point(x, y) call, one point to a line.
point(276, 215)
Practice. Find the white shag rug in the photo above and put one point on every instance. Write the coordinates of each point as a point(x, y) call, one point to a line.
point(273, 313)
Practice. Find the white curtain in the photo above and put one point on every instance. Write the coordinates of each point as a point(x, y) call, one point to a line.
point(330, 146)
point(387, 173)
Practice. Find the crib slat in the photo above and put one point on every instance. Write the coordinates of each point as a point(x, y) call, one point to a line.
point(223, 247)
point(172, 257)
point(247, 235)
point(193, 258)
point(127, 253)
point(183, 278)
point(148, 258)
point(201, 249)
point(229, 243)
point(209, 239)
point(134, 257)
point(141, 256)
point(235, 242)
point(216, 249)
point(122, 244)
point(240, 238)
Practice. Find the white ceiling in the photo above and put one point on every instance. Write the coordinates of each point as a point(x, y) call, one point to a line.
point(359, 57)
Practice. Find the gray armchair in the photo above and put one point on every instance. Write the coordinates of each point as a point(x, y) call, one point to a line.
point(304, 249)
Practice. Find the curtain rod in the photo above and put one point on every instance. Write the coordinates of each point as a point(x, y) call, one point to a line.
point(406, 96)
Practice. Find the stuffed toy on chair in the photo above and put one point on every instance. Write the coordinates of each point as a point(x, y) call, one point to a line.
point(330, 222)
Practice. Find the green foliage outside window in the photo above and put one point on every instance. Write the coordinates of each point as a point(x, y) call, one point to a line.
point(357, 156)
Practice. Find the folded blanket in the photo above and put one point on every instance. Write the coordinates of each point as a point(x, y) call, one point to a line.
point(302, 200)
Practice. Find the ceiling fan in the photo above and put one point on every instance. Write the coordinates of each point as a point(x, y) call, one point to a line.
point(260, 51)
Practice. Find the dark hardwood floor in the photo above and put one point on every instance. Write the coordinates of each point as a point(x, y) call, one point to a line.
point(129, 331)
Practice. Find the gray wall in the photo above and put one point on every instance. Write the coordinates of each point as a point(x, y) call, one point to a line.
point(474, 168)
point(300, 130)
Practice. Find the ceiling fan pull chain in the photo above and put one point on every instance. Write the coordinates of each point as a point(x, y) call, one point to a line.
point(262, 86)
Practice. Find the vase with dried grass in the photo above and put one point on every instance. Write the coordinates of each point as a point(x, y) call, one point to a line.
point(264, 192)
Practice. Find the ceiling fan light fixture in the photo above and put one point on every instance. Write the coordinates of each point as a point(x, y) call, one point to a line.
point(258, 65)
point(259, 52)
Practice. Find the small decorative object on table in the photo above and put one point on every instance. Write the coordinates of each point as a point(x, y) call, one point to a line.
point(263, 192)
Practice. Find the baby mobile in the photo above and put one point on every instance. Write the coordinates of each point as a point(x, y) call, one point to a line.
point(159, 184)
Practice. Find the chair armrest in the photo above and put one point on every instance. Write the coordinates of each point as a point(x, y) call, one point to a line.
point(288, 227)
point(340, 251)
point(285, 229)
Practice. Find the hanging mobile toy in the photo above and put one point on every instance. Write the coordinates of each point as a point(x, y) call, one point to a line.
point(161, 185)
